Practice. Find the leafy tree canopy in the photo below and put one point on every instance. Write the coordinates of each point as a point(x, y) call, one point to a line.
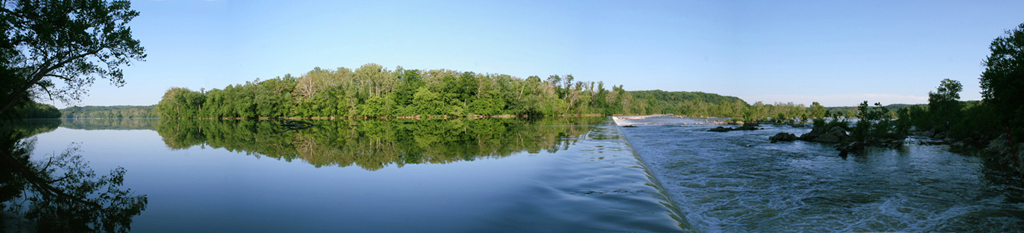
point(1002, 82)
point(73, 42)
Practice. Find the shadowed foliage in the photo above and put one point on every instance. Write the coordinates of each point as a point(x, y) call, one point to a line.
point(61, 193)
point(374, 144)
point(73, 42)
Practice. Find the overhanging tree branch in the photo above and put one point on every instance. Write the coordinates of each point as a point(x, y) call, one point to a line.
point(56, 39)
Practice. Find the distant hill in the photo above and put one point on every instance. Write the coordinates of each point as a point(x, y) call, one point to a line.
point(845, 109)
point(121, 111)
point(681, 96)
point(688, 103)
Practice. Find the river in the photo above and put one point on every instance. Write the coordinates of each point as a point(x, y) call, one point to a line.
point(739, 181)
point(461, 175)
point(666, 174)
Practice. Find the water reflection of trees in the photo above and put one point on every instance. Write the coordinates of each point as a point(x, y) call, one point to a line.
point(109, 123)
point(60, 193)
point(31, 127)
point(374, 144)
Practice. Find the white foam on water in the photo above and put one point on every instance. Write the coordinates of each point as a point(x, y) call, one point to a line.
point(738, 181)
point(665, 120)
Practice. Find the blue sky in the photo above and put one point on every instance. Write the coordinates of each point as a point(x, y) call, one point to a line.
point(838, 53)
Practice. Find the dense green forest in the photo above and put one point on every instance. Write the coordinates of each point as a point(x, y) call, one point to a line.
point(697, 104)
point(374, 91)
point(851, 111)
point(963, 124)
point(32, 109)
point(110, 112)
point(374, 144)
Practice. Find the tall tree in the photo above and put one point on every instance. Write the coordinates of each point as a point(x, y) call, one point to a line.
point(944, 103)
point(817, 111)
point(375, 78)
point(49, 41)
point(1002, 82)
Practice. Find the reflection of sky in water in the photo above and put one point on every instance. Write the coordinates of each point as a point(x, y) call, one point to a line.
point(592, 185)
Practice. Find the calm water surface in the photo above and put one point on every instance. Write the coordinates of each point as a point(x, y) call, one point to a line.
point(490, 175)
point(548, 175)
point(740, 182)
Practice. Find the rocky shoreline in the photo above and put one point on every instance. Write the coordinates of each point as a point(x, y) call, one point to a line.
point(1001, 149)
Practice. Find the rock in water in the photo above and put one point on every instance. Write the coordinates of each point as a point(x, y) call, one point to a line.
point(827, 138)
point(720, 129)
point(747, 126)
point(810, 136)
point(815, 132)
point(834, 135)
point(838, 131)
point(785, 137)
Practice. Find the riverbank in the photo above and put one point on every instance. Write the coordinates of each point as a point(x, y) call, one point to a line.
point(1002, 149)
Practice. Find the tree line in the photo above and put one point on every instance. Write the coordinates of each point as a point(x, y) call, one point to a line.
point(115, 112)
point(374, 91)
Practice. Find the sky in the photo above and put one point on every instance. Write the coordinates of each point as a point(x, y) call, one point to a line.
point(838, 53)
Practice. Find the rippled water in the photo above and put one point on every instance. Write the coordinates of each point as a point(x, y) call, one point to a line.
point(740, 182)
